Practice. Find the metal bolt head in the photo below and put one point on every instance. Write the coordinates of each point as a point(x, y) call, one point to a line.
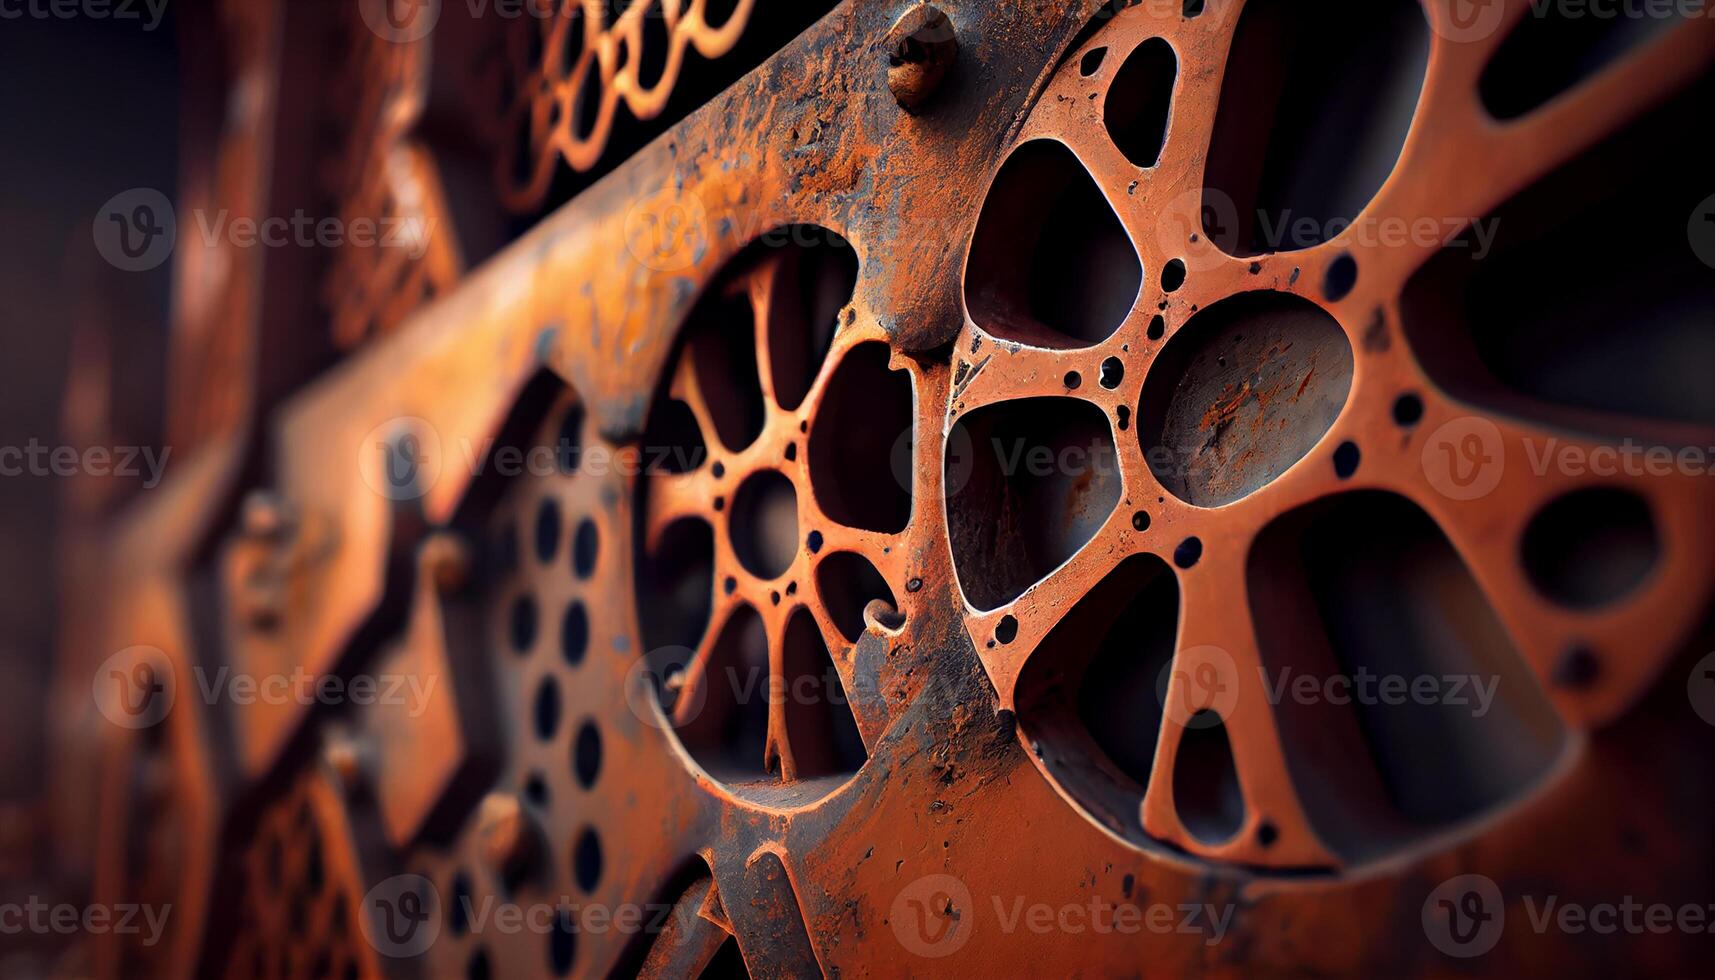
point(920, 49)
point(505, 830)
point(264, 515)
point(344, 757)
point(446, 559)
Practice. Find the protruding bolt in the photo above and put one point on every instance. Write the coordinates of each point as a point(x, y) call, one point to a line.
point(507, 834)
point(446, 558)
point(920, 49)
point(264, 515)
point(344, 758)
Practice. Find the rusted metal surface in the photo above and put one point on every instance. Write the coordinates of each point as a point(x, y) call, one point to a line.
point(478, 499)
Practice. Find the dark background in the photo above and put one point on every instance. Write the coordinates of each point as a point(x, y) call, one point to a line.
point(88, 108)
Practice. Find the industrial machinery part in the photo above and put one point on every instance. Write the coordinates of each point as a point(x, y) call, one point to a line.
point(1022, 488)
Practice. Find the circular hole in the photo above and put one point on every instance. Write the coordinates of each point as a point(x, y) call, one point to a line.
point(719, 470)
point(586, 546)
point(586, 860)
point(791, 452)
point(536, 790)
point(1124, 413)
point(1006, 630)
point(731, 585)
point(1073, 380)
point(458, 910)
point(547, 709)
point(1113, 372)
point(1157, 327)
point(523, 623)
point(547, 529)
point(1140, 521)
point(1346, 459)
point(764, 524)
point(575, 633)
point(1193, 8)
point(1341, 277)
point(1408, 410)
point(562, 943)
point(1092, 61)
point(814, 542)
point(1267, 834)
point(1173, 275)
point(1188, 553)
point(1591, 547)
point(586, 757)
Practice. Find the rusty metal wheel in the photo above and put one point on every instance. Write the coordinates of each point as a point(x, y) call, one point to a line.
point(1192, 462)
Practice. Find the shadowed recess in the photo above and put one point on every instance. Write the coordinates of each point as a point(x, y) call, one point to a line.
point(1087, 697)
point(1591, 548)
point(1363, 587)
point(1581, 302)
point(865, 412)
point(813, 283)
point(1050, 264)
point(1140, 101)
point(819, 723)
point(1560, 47)
point(1314, 110)
point(1041, 480)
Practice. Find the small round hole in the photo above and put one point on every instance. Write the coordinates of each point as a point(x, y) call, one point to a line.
point(1006, 630)
point(1189, 552)
point(547, 709)
point(547, 529)
point(1267, 834)
point(1173, 275)
point(1346, 459)
point(1113, 372)
point(1073, 380)
point(1408, 410)
point(575, 633)
point(1157, 327)
point(814, 542)
point(523, 623)
point(1092, 61)
point(586, 546)
point(1140, 521)
point(1341, 278)
point(586, 860)
point(586, 757)
point(536, 790)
